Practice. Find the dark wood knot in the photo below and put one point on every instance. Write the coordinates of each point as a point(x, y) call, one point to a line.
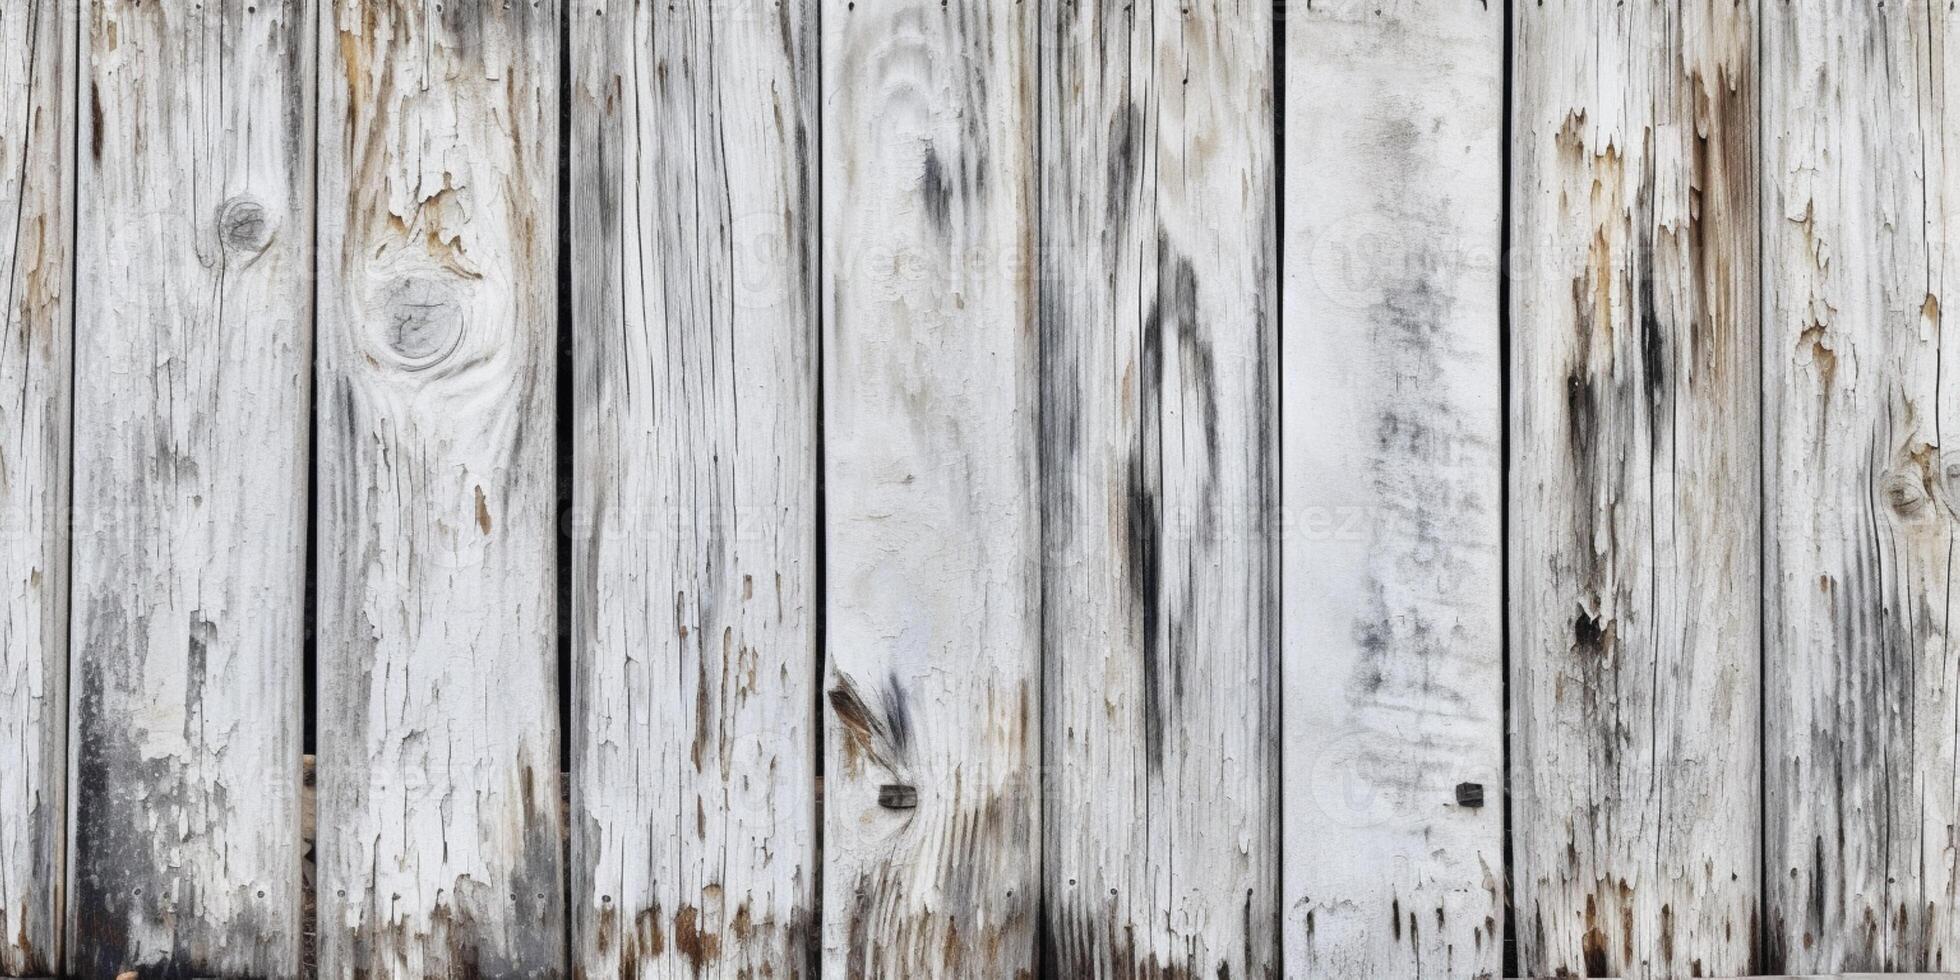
point(1905, 493)
point(244, 226)
point(421, 322)
point(898, 796)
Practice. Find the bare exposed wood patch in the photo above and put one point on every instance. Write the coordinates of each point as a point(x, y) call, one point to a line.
point(1861, 489)
point(440, 849)
point(193, 330)
point(1158, 487)
point(693, 197)
point(929, 122)
point(1393, 691)
point(1634, 540)
point(37, 91)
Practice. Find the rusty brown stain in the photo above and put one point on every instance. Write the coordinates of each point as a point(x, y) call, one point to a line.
point(1667, 933)
point(1626, 924)
point(95, 120)
point(702, 713)
point(863, 732)
point(700, 947)
point(647, 931)
point(353, 60)
point(1593, 943)
point(482, 512)
point(1822, 356)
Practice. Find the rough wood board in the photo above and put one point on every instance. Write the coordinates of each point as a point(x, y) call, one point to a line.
point(932, 822)
point(1159, 483)
point(1634, 489)
point(1394, 685)
point(694, 556)
point(440, 852)
point(37, 227)
point(1861, 693)
point(193, 342)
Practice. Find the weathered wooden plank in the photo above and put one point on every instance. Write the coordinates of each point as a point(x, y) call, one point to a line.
point(193, 345)
point(1861, 692)
point(1158, 481)
point(440, 852)
point(1634, 489)
point(1394, 683)
point(931, 813)
point(37, 229)
point(694, 296)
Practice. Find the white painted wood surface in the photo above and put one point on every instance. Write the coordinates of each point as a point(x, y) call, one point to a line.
point(1158, 419)
point(1861, 691)
point(37, 168)
point(193, 342)
point(440, 851)
point(694, 837)
point(931, 803)
point(1162, 638)
point(1392, 535)
point(1634, 489)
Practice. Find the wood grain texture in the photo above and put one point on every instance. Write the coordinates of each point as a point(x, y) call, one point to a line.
point(1158, 423)
point(193, 344)
point(1394, 682)
point(440, 850)
point(1635, 489)
point(37, 228)
point(694, 261)
point(931, 812)
point(1862, 692)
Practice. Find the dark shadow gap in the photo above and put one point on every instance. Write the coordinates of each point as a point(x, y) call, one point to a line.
point(1276, 700)
point(310, 612)
point(1766, 954)
point(820, 529)
point(563, 445)
point(562, 395)
point(1504, 341)
point(57, 960)
point(1045, 959)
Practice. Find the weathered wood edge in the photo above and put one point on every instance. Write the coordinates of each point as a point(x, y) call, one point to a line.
point(34, 619)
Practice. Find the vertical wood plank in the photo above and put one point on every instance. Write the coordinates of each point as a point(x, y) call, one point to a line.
point(694, 263)
point(1393, 806)
point(440, 852)
point(1159, 291)
point(1635, 489)
point(931, 848)
point(193, 343)
point(37, 228)
point(1861, 693)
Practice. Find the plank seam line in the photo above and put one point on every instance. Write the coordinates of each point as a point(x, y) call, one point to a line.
point(1508, 902)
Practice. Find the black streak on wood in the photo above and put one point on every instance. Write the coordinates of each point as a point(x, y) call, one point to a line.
point(938, 195)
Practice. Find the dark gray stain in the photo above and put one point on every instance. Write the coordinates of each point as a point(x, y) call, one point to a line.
point(1125, 167)
point(1146, 590)
point(117, 881)
point(883, 733)
point(938, 194)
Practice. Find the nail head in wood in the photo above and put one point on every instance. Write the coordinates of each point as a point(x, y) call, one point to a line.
point(1470, 795)
point(897, 796)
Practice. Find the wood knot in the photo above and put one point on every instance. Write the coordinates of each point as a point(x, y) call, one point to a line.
point(244, 226)
point(421, 322)
point(1949, 480)
point(1904, 491)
